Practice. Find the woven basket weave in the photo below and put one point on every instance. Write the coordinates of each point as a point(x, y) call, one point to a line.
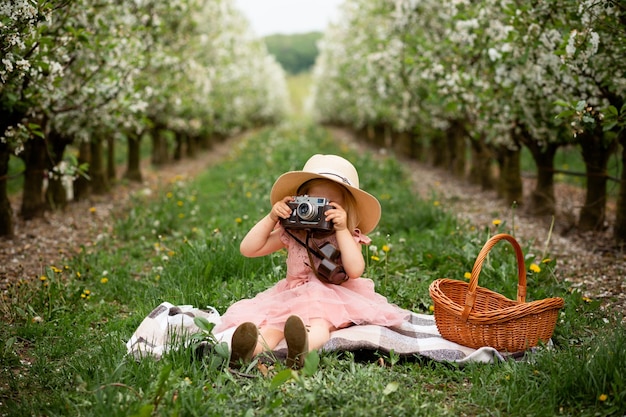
point(474, 316)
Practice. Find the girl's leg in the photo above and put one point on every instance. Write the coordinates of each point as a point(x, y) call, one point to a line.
point(302, 339)
point(268, 339)
point(319, 333)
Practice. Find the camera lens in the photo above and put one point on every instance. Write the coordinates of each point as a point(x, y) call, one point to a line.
point(306, 211)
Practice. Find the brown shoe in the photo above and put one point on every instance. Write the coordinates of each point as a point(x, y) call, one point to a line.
point(243, 343)
point(297, 340)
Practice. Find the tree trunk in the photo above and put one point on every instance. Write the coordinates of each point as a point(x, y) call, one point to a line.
point(133, 171)
point(456, 148)
point(480, 169)
point(542, 199)
point(99, 183)
point(510, 181)
point(56, 193)
point(82, 185)
point(192, 145)
point(402, 144)
point(6, 211)
point(596, 154)
point(619, 231)
point(206, 140)
point(178, 147)
point(380, 136)
point(111, 167)
point(35, 156)
point(417, 145)
point(159, 146)
point(439, 152)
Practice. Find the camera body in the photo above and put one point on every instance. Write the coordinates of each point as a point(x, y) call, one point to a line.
point(330, 268)
point(308, 213)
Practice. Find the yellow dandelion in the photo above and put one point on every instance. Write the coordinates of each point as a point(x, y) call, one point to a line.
point(385, 196)
point(104, 280)
point(83, 295)
point(86, 292)
point(171, 253)
point(535, 268)
point(92, 210)
point(248, 194)
point(239, 220)
point(436, 203)
point(179, 203)
point(496, 222)
point(181, 215)
point(546, 261)
point(55, 269)
point(66, 267)
point(467, 275)
point(375, 258)
point(78, 274)
point(507, 377)
point(169, 195)
point(386, 248)
point(603, 397)
point(431, 308)
point(586, 299)
point(43, 278)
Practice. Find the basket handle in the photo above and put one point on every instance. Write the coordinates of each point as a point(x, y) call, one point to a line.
point(470, 297)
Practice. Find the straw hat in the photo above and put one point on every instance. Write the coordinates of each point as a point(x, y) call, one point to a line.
point(337, 169)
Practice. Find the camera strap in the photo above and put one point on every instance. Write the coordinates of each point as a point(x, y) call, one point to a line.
point(310, 252)
point(306, 245)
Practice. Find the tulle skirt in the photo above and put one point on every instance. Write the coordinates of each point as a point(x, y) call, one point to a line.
point(353, 302)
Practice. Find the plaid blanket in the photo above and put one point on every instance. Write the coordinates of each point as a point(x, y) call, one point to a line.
point(167, 325)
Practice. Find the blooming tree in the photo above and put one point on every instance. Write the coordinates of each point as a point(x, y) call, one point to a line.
point(85, 74)
point(495, 73)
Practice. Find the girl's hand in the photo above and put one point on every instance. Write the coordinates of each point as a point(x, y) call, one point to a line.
point(338, 216)
point(281, 210)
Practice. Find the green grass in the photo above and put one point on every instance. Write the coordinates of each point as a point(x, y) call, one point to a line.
point(299, 87)
point(62, 337)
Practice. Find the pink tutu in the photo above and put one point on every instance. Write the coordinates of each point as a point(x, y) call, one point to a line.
point(303, 294)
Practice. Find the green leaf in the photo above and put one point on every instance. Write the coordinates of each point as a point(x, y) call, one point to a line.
point(281, 377)
point(204, 324)
point(565, 114)
point(391, 388)
point(562, 103)
point(311, 363)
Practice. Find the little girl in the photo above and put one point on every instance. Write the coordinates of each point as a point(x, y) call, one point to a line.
point(302, 308)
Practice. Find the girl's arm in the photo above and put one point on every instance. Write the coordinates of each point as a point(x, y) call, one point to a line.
point(351, 255)
point(264, 238)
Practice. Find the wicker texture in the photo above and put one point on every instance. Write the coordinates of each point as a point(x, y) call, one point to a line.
point(474, 316)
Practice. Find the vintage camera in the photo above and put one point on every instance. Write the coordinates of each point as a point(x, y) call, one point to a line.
point(308, 213)
point(329, 270)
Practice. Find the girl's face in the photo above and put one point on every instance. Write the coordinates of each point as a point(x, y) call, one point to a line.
point(329, 190)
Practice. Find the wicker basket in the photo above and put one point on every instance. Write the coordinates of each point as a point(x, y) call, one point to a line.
point(474, 316)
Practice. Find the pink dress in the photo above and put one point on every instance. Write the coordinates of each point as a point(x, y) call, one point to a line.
point(303, 294)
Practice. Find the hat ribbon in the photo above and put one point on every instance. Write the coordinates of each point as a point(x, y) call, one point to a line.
point(343, 179)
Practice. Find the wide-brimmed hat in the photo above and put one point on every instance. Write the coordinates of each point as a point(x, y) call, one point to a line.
point(338, 169)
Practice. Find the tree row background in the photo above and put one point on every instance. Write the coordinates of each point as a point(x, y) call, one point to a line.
point(81, 78)
point(464, 83)
point(461, 84)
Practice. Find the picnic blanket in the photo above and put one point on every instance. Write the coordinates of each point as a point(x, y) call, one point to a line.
point(167, 325)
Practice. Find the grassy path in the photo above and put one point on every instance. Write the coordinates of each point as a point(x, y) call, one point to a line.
point(62, 339)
